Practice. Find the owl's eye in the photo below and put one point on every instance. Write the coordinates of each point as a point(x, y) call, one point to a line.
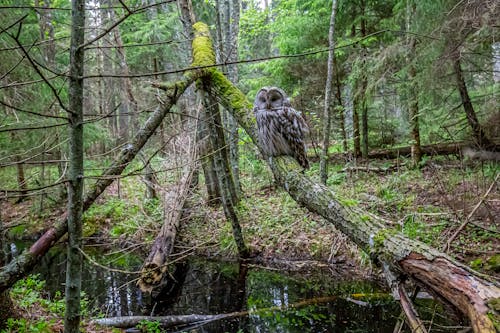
point(274, 99)
point(262, 99)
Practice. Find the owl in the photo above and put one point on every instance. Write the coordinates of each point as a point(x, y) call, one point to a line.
point(281, 129)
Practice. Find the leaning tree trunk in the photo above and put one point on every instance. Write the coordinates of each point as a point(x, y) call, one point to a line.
point(223, 170)
point(155, 266)
point(477, 131)
point(472, 294)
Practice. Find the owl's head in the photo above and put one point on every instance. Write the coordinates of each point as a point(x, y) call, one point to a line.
point(269, 98)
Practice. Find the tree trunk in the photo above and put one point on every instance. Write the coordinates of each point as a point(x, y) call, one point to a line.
point(364, 85)
point(338, 95)
point(21, 179)
point(327, 113)
point(416, 150)
point(6, 304)
point(223, 171)
point(155, 266)
point(355, 128)
point(149, 179)
point(364, 120)
point(467, 290)
point(228, 16)
point(206, 153)
point(75, 174)
point(431, 150)
point(478, 133)
point(128, 103)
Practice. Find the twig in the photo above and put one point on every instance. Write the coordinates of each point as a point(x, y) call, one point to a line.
point(413, 320)
point(36, 68)
point(95, 263)
point(462, 226)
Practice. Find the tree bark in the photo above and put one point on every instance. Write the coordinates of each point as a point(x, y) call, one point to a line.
point(478, 133)
point(364, 86)
point(338, 95)
point(416, 149)
point(75, 175)
point(174, 320)
point(223, 170)
point(470, 292)
point(207, 162)
point(228, 16)
point(355, 128)
point(431, 150)
point(21, 179)
point(6, 304)
point(327, 113)
point(155, 266)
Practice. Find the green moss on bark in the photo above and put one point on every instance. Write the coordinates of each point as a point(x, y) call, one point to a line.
point(203, 52)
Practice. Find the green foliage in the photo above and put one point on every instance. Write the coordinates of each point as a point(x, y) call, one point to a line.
point(24, 326)
point(147, 326)
point(29, 296)
point(123, 218)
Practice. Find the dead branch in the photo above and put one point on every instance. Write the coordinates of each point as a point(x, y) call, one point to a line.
point(174, 202)
point(467, 219)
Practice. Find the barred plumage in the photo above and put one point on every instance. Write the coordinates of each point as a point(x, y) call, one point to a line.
point(281, 128)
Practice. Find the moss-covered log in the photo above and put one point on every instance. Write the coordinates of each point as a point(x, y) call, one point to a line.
point(472, 294)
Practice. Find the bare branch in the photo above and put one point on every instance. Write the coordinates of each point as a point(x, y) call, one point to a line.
point(31, 112)
point(37, 69)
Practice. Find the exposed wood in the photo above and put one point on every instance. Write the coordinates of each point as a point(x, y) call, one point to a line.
point(406, 304)
point(174, 200)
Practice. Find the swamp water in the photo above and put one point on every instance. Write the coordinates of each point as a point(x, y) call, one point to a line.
point(270, 300)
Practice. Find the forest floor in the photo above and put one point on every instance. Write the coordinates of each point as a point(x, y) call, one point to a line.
point(429, 203)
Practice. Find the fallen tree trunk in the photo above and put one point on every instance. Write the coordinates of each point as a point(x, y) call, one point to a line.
point(25, 262)
point(174, 320)
point(453, 148)
point(470, 292)
point(165, 321)
point(155, 266)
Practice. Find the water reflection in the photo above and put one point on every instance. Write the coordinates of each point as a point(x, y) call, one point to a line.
point(205, 287)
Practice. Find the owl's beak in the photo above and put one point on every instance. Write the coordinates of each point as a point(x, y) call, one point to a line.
point(268, 105)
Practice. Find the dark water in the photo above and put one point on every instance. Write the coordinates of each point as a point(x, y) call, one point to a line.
point(206, 287)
